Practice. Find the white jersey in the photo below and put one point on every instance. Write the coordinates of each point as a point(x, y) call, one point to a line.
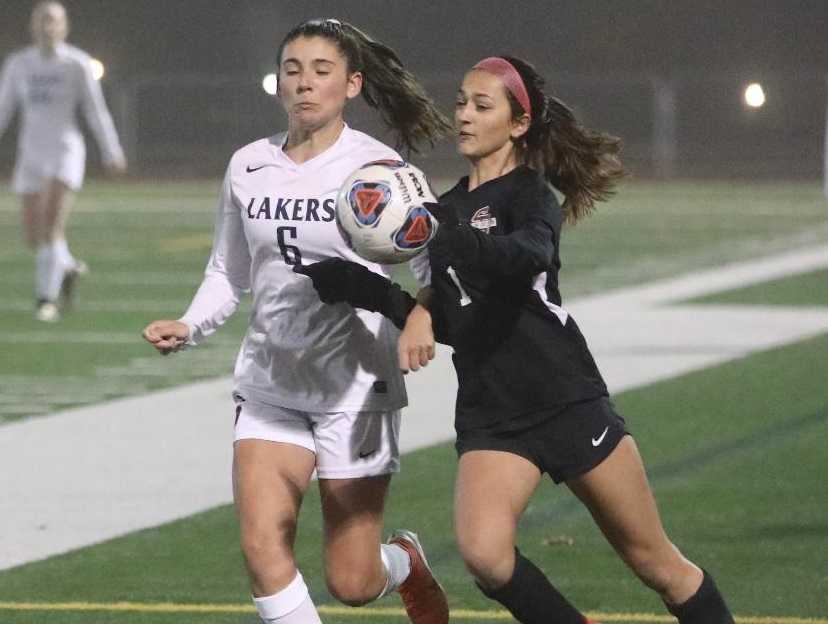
point(298, 352)
point(49, 90)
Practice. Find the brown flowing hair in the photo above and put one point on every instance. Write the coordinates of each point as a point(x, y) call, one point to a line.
point(581, 163)
point(388, 87)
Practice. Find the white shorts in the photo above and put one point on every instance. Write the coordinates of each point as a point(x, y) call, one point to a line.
point(31, 175)
point(347, 445)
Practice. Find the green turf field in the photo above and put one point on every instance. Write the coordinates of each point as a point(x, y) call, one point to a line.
point(737, 462)
point(147, 244)
point(808, 289)
point(735, 454)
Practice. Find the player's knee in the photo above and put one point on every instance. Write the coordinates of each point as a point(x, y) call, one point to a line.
point(265, 554)
point(31, 236)
point(354, 590)
point(488, 560)
point(654, 567)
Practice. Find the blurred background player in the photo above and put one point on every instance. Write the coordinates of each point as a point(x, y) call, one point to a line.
point(317, 387)
point(530, 397)
point(48, 82)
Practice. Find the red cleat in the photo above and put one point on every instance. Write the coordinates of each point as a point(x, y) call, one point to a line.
point(425, 601)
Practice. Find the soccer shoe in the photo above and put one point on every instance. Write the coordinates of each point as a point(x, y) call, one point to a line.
point(47, 312)
point(425, 601)
point(67, 286)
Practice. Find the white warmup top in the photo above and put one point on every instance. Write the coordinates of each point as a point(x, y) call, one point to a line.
point(49, 90)
point(298, 352)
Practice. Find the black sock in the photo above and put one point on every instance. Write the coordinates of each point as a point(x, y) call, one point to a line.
point(706, 606)
point(531, 598)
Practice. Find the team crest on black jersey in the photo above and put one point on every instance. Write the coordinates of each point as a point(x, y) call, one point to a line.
point(368, 200)
point(482, 219)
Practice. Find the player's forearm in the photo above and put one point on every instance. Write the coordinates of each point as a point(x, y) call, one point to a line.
point(215, 301)
point(7, 99)
point(524, 252)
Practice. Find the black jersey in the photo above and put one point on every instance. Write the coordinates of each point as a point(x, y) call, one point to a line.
point(519, 356)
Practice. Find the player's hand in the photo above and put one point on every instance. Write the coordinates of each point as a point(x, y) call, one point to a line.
point(166, 336)
point(415, 347)
point(330, 278)
point(117, 166)
point(337, 281)
point(444, 213)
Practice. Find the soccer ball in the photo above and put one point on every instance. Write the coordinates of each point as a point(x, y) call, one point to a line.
point(380, 211)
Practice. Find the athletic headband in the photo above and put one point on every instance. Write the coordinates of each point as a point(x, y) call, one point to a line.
point(510, 77)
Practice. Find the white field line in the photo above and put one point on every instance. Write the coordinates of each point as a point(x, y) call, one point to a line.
point(90, 474)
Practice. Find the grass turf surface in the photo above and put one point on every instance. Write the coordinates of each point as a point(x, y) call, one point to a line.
point(806, 289)
point(735, 454)
point(147, 244)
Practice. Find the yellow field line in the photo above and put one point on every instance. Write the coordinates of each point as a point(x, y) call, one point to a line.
point(459, 614)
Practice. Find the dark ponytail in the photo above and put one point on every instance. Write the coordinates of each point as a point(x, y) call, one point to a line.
point(582, 163)
point(387, 86)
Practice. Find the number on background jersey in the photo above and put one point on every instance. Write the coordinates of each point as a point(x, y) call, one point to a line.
point(290, 253)
point(464, 297)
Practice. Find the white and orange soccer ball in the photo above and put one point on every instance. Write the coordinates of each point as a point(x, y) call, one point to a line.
point(380, 211)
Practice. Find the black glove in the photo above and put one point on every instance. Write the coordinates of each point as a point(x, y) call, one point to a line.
point(445, 214)
point(340, 281)
point(454, 243)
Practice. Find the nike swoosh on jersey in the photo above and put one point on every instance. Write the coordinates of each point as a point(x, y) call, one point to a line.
point(363, 455)
point(600, 438)
point(252, 169)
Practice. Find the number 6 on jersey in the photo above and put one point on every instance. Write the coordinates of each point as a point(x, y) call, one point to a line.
point(290, 253)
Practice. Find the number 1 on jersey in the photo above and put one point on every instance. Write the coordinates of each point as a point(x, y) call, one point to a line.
point(464, 297)
point(290, 253)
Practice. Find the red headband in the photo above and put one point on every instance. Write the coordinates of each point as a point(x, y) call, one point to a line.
point(510, 77)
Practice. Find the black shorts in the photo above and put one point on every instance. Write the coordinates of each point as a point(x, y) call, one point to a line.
point(570, 442)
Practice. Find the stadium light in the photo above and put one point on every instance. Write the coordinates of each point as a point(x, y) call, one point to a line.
point(270, 84)
point(755, 95)
point(98, 69)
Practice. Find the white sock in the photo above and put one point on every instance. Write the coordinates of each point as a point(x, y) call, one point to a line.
point(64, 255)
point(292, 605)
point(54, 276)
point(43, 263)
point(397, 567)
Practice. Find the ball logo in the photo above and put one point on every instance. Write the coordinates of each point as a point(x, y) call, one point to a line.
point(368, 200)
point(416, 231)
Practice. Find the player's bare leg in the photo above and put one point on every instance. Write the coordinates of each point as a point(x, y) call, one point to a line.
point(269, 483)
point(620, 500)
point(492, 491)
point(353, 513)
point(35, 234)
point(359, 568)
point(59, 202)
point(32, 219)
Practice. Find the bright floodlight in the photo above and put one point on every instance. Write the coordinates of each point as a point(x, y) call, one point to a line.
point(754, 95)
point(270, 84)
point(97, 68)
